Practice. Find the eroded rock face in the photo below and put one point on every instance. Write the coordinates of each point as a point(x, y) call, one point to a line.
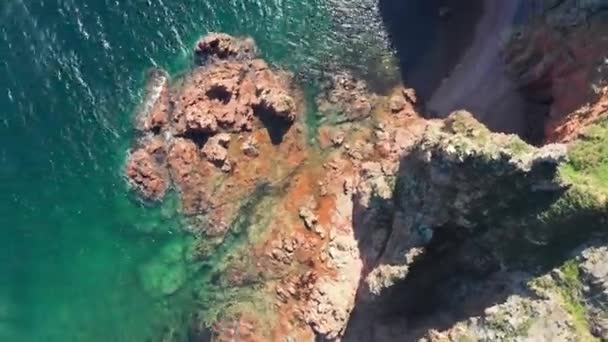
point(558, 60)
point(564, 304)
point(455, 190)
point(568, 128)
point(594, 277)
point(333, 298)
point(227, 95)
point(519, 318)
point(482, 229)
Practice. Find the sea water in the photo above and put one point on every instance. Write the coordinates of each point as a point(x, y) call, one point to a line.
point(75, 246)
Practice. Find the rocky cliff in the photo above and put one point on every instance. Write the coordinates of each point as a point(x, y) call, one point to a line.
point(557, 60)
point(362, 221)
point(479, 219)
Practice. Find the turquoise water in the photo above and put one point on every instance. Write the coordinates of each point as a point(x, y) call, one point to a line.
point(73, 243)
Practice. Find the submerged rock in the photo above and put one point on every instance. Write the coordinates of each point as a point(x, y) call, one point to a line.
point(345, 98)
point(167, 272)
point(223, 46)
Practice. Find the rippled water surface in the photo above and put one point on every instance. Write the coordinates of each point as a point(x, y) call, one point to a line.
point(73, 244)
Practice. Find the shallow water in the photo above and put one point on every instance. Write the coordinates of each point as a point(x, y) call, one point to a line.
point(73, 243)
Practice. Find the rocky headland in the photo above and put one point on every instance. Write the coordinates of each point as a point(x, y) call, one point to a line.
point(388, 225)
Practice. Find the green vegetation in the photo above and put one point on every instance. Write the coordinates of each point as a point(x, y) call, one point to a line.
point(588, 165)
point(568, 219)
point(312, 119)
point(220, 297)
point(513, 324)
point(519, 146)
point(570, 288)
point(522, 329)
point(566, 284)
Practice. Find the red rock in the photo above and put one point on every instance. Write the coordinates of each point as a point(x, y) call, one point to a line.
point(189, 173)
point(397, 103)
point(153, 113)
point(568, 127)
point(560, 65)
point(259, 64)
point(226, 96)
point(199, 120)
point(183, 159)
point(146, 172)
point(215, 149)
point(272, 95)
point(277, 102)
point(249, 147)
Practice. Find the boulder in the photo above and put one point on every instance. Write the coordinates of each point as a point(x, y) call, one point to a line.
point(145, 170)
point(223, 46)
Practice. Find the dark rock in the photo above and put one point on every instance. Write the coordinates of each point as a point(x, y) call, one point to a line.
point(223, 46)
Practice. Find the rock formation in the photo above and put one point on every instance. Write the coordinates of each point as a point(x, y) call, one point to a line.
point(188, 128)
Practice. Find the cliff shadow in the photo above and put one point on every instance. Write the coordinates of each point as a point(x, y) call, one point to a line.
point(441, 288)
point(462, 272)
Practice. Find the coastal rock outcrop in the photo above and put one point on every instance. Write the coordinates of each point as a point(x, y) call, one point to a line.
point(187, 127)
point(452, 177)
point(565, 304)
point(227, 95)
